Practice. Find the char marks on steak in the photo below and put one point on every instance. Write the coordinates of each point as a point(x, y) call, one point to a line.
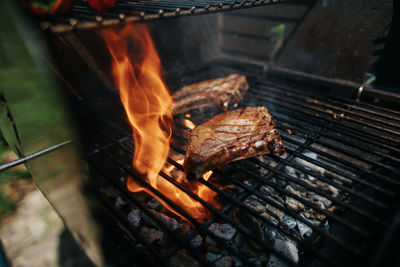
point(224, 93)
point(231, 136)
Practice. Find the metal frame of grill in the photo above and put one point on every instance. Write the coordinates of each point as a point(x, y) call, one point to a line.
point(340, 123)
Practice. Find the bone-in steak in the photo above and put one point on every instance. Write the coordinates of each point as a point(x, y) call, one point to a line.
point(231, 136)
point(221, 92)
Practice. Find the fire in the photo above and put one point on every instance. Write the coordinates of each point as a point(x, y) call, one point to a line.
point(147, 103)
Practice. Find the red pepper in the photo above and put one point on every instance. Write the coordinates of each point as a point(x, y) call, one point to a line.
point(101, 5)
point(58, 7)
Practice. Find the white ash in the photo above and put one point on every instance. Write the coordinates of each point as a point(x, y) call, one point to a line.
point(289, 222)
point(119, 202)
point(134, 218)
point(224, 230)
point(151, 235)
point(153, 204)
point(196, 241)
point(304, 229)
point(310, 165)
point(169, 222)
point(211, 257)
point(225, 261)
point(286, 248)
point(322, 201)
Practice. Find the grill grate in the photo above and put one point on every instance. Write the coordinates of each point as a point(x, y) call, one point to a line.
point(349, 149)
point(82, 17)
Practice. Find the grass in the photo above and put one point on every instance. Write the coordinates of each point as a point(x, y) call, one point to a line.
point(14, 183)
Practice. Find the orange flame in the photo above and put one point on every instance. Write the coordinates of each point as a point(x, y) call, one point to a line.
point(147, 103)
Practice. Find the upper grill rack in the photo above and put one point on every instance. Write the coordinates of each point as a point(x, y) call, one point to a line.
point(81, 17)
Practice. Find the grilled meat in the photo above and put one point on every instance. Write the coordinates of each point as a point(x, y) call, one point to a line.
point(222, 92)
point(231, 136)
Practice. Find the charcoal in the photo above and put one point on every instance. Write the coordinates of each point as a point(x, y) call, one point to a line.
point(184, 228)
point(252, 224)
point(286, 248)
point(326, 226)
point(320, 200)
point(224, 230)
point(212, 246)
point(289, 222)
point(151, 235)
point(211, 257)
point(255, 261)
point(119, 202)
point(253, 203)
point(275, 211)
point(247, 250)
point(304, 229)
point(147, 219)
point(171, 223)
point(134, 218)
point(267, 191)
point(196, 241)
point(291, 202)
point(225, 261)
point(309, 165)
point(153, 204)
point(182, 259)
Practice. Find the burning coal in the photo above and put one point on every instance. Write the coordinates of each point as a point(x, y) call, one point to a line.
point(147, 103)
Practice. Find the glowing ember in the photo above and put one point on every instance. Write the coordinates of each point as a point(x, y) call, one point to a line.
point(189, 124)
point(147, 103)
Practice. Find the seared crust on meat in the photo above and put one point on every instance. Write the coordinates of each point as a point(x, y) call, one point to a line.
point(221, 92)
point(231, 136)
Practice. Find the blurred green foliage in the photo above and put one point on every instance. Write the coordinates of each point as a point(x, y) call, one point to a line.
point(7, 177)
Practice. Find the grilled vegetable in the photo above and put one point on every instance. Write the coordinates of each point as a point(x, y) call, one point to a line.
point(101, 5)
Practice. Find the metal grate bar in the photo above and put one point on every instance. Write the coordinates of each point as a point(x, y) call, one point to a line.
point(329, 103)
point(330, 112)
point(311, 119)
point(347, 224)
point(388, 139)
point(341, 101)
point(220, 214)
point(354, 166)
point(336, 170)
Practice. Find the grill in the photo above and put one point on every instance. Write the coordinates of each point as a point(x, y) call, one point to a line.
point(346, 146)
point(332, 200)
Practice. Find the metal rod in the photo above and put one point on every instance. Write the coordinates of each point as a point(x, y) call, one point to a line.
point(37, 154)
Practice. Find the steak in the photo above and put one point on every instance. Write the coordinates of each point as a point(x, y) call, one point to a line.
point(224, 93)
point(231, 136)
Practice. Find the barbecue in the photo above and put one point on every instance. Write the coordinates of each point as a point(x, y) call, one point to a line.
point(124, 95)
